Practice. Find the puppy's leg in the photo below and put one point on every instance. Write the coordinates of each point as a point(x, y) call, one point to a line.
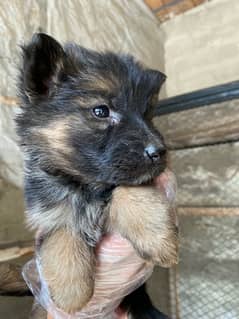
point(139, 306)
point(68, 268)
point(142, 215)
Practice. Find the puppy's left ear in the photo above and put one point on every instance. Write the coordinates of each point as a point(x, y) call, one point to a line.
point(43, 60)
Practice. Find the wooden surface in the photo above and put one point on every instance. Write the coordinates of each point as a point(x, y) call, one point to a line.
point(154, 4)
point(12, 225)
point(207, 176)
point(11, 101)
point(15, 307)
point(205, 125)
point(165, 9)
point(11, 280)
point(15, 252)
point(208, 211)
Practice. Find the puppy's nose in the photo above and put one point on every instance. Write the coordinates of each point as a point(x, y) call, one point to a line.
point(154, 152)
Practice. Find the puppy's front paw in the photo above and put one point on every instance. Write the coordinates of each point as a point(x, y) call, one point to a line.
point(143, 216)
point(161, 248)
point(67, 267)
point(157, 240)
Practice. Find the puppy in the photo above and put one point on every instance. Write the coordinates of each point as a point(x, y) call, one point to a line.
point(87, 136)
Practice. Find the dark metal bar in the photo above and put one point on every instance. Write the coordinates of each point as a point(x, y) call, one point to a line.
point(226, 141)
point(198, 98)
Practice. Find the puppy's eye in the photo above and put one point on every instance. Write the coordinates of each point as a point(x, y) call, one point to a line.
point(101, 111)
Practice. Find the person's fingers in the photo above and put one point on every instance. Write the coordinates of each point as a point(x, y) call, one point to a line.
point(121, 314)
point(167, 184)
point(118, 270)
point(114, 244)
point(50, 317)
point(117, 263)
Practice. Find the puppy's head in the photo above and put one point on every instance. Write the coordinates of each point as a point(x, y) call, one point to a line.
point(88, 115)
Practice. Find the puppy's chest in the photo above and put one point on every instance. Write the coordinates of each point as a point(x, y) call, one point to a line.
point(83, 215)
point(91, 215)
point(91, 221)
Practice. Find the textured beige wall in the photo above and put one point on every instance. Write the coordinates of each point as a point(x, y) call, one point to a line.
point(122, 26)
point(202, 47)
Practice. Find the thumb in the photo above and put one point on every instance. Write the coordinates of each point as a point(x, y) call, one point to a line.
point(167, 184)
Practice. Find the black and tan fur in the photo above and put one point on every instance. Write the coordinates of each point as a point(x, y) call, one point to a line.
point(82, 172)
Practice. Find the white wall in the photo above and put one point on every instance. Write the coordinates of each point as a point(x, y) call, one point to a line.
point(202, 47)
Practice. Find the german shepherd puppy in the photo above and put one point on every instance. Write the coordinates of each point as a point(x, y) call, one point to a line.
point(88, 140)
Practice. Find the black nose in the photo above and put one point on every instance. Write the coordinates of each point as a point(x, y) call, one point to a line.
point(154, 153)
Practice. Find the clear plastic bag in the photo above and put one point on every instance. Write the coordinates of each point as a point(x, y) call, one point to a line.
point(119, 271)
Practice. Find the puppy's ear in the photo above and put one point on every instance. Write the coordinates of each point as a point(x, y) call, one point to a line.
point(157, 79)
point(43, 60)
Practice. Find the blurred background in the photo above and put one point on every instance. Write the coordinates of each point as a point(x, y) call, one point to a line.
point(196, 44)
